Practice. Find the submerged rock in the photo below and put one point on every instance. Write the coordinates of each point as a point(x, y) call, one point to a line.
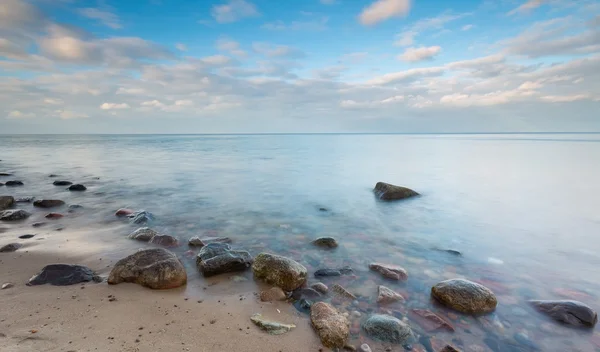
point(48, 203)
point(164, 240)
point(272, 294)
point(14, 215)
point(568, 312)
point(5, 174)
point(387, 295)
point(430, 321)
point(38, 224)
point(325, 242)
point(24, 200)
point(305, 292)
point(342, 292)
point(389, 271)
point(465, 296)
point(333, 272)
point(155, 268)
point(62, 183)
point(77, 188)
point(141, 217)
point(6, 202)
point(386, 191)
point(331, 326)
point(11, 247)
point(63, 275)
point(279, 271)
point(272, 327)
point(219, 258)
point(14, 183)
point(201, 242)
point(54, 216)
point(449, 348)
point(386, 328)
point(27, 236)
point(143, 234)
point(123, 212)
point(320, 287)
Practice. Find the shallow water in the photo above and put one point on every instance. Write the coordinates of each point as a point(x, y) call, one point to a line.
point(522, 209)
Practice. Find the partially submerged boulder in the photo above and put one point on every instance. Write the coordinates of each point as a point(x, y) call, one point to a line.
point(6, 202)
point(465, 296)
point(14, 215)
point(568, 312)
point(279, 271)
point(386, 191)
point(63, 275)
point(219, 258)
point(13, 183)
point(77, 188)
point(386, 328)
point(331, 326)
point(62, 183)
point(164, 240)
point(143, 234)
point(155, 268)
point(197, 241)
point(390, 271)
point(141, 217)
point(325, 242)
point(48, 203)
point(11, 247)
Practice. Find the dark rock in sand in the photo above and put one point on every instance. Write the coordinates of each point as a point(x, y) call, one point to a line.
point(24, 200)
point(325, 272)
point(54, 216)
point(63, 275)
point(386, 328)
point(6, 202)
point(77, 188)
point(13, 183)
point(331, 326)
point(143, 234)
point(320, 287)
point(14, 215)
point(279, 271)
point(386, 191)
point(141, 217)
point(11, 247)
point(5, 174)
point(325, 242)
point(465, 296)
point(272, 294)
point(24, 237)
point(155, 268)
point(219, 258)
point(123, 212)
point(568, 312)
point(48, 203)
point(38, 224)
point(196, 241)
point(387, 295)
point(62, 183)
point(164, 240)
point(389, 271)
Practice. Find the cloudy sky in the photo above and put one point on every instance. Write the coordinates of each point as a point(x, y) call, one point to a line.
point(244, 66)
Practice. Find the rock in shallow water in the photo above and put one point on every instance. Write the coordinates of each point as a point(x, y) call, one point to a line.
point(54, 216)
point(14, 183)
point(11, 247)
point(24, 200)
point(164, 240)
point(465, 296)
point(331, 326)
point(387, 295)
point(143, 234)
point(272, 327)
point(430, 321)
point(389, 271)
point(325, 242)
point(196, 241)
point(6, 202)
point(279, 271)
point(141, 217)
point(63, 275)
point(219, 258)
point(123, 212)
point(386, 328)
point(14, 215)
point(77, 188)
point(48, 203)
point(320, 287)
point(62, 183)
point(386, 191)
point(272, 294)
point(27, 236)
point(568, 312)
point(154, 268)
point(340, 291)
point(5, 174)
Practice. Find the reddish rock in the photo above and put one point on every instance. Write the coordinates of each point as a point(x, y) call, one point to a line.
point(430, 321)
point(54, 216)
point(124, 212)
point(387, 295)
point(389, 271)
point(449, 348)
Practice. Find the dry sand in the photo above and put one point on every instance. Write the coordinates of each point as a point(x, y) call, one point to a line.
point(211, 315)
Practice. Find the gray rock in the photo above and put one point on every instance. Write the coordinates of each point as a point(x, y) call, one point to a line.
point(11, 247)
point(320, 287)
point(27, 236)
point(62, 183)
point(14, 215)
point(24, 200)
point(143, 234)
point(77, 188)
point(465, 296)
point(6, 202)
point(5, 174)
point(386, 191)
point(155, 268)
point(7, 285)
point(279, 271)
point(364, 348)
point(218, 258)
point(272, 327)
point(325, 272)
point(141, 217)
point(13, 183)
point(201, 242)
point(386, 328)
point(48, 203)
point(63, 275)
point(325, 242)
point(568, 312)
point(164, 240)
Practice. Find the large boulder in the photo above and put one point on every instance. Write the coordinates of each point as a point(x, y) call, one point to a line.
point(6, 202)
point(219, 258)
point(63, 274)
point(143, 234)
point(465, 296)
point(331, 326)
point(568, 312)
point(279, 271)
point(390, 271)
point(155, 268)
point(386, 328)
point(48, 203)
point(14, 215)
point(386, 191)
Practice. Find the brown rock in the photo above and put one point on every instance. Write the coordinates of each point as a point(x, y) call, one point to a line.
point(279, 271)
point(272, 294)
point(143, 234)
point(449, 348)
point(331, 326)
point(430, 321)
point(48, 203)
point(465, 296)
point(123, 212)
point(390, 271)
point(320, 287)
point(164, 240)
point(387, 295)
point(342, 292)
point(54, 216)
point(155, 268)
point(386, 191)
point(6, 202)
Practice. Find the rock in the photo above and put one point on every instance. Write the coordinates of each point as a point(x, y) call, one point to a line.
point(320, 287)
point(218, 258)
point(24, 200)
point(14, 215)
point(123, 212)
point(342, 292)
point(272, 294)
point(325, 242)
point(386, 328)
point(54, 216)
point(430, 321)
point(53, 175)
point(303, 305)
point(386, 191)
point(77, 188)
point(201, 242)
point(5, 174)
point(6, 202)
point(38, 224)
point(272, 327)
point(449, 348)
point(62, 183)
point(364, 348)
point(26, 236)
point(155, 268)
point(11, 247)
point(323, 209)
point(279, 271)
point(465, 296)
point(332, 327)
point(7, 285)
point(13, 183)
point(63, 275)
point(325, 272)
point(387, 295)
point(568, 312)
point(48, 203)
point(143, 234)
point(449, 251)
point(141, 217)
point(164, 240)
point(389, 271)
point(305, 292)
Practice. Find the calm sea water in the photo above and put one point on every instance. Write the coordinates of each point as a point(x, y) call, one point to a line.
point(523, 209)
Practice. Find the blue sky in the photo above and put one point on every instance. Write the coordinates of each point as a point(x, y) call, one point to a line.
point(181, 66)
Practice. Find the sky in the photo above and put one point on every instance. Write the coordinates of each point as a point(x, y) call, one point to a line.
point(296, 66)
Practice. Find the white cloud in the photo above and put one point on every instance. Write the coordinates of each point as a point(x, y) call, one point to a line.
point(467, 27)
point(181, 47)
point(406, 38)
point(16, 114)
point(382, 10)
point(528, 6)
point(409, 33)
point(217, 60)
point(114, 106)
point(420, 54)
point(153, 103)
point(408, 75)
point(271, 50)
point(565, 98)
point(319, 24)
point(51, 101)
point(529, 85)
point(107, 18)
point(69, 115)
point(231, 46)
point(233, 11)
point(131, 91)
point(11, 50)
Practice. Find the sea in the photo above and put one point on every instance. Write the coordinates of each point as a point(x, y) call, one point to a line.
point(522, 209)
